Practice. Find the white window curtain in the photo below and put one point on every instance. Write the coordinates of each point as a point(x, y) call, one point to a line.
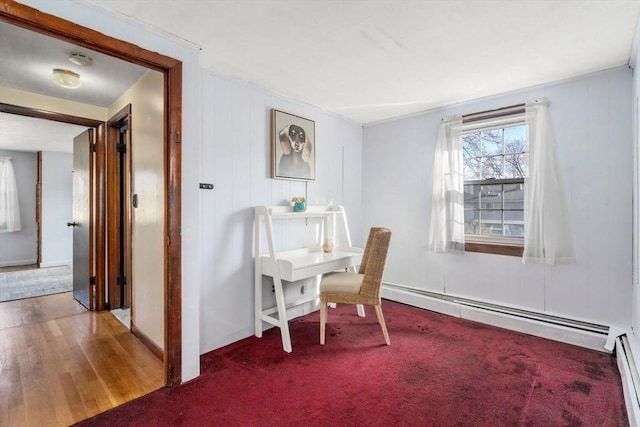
point(547, 230)
point(446, 227)
point(9, 208)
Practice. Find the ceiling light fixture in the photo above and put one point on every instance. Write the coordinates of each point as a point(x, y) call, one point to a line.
point(65, 78)
point(80, 59)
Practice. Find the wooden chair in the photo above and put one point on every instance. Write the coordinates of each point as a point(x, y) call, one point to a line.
point(362, 287)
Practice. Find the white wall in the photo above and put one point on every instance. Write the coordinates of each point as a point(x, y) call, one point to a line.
point(634, 337)
point(592, 120)
point(236, 159)
point(57, 209)
point(146, 97)
point(123, 28)
point(20, 247)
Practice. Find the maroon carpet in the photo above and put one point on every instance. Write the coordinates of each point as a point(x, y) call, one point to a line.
point(438, 371)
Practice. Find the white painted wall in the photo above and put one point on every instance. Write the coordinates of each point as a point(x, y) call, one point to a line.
point(146, 97)
point(634, 336)
point(57, 209)
point(20, 247)
point(592, 120)
point(236, 159)
point(123, 28)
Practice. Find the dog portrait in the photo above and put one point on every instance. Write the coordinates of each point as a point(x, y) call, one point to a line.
point(292, 147)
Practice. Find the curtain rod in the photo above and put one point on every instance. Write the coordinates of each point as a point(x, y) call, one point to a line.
point(492, 114)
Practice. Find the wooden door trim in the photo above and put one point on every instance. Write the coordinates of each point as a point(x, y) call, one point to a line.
point(98, 270)
point(39, 207)
point(113, 186)
point(27, 17)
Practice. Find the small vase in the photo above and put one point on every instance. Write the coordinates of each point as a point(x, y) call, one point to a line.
point(300, 207)
point(327, 246)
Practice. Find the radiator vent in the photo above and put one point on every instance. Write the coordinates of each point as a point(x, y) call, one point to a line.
point(511, 311)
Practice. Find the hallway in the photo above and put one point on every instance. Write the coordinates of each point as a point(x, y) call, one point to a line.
point(60, 363)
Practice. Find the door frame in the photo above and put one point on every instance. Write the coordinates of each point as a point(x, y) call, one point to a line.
point(115, 178)
point(33, 19)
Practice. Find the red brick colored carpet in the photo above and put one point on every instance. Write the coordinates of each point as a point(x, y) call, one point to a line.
point(438, 371)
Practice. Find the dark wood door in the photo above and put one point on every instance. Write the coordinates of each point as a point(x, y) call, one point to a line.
point(81, 223)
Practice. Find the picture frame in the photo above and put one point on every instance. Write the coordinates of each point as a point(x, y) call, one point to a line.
point(293, 147)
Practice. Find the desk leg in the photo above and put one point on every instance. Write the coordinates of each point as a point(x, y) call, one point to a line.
point(282, 315)
point(258, 306)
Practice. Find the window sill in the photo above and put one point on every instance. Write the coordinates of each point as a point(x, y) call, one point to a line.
point(509, 249)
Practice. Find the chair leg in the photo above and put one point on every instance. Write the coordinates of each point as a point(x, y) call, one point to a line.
point(323, 320)
point(382, 324)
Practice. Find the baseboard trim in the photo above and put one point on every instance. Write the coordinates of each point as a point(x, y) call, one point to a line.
point(54, 264)
point(18, 262)
point(144, 338)
point(630, 379)
point(595, 338)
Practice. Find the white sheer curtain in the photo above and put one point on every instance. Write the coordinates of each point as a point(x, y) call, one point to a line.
point(446, 228)
point(547, 229)
point(9, 208)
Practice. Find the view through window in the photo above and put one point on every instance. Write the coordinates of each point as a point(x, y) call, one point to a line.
point(494, 173)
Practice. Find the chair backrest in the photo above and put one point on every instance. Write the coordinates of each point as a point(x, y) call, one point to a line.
point(367, 249)
point(376, 259)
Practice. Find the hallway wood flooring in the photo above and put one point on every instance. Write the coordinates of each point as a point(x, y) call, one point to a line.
point(60, 363)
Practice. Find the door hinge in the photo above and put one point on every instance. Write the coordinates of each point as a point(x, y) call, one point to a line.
point(92, 147)
point(122, 280)
point(121, 148)
point(92, 280)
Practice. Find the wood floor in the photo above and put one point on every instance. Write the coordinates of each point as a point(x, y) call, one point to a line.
point(60, 363)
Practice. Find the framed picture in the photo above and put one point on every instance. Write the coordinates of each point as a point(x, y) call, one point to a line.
point(293, 147)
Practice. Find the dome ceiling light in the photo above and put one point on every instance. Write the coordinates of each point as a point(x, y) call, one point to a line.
point(66, 78)
point(80, 59)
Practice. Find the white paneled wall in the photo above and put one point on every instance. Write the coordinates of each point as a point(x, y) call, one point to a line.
point(592, 122)
point(635, 107)
point(236, 158)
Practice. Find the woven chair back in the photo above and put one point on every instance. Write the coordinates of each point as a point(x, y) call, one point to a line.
point(367, 249)
point(376, 257)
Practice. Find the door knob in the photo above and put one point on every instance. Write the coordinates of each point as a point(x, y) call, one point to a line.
point(72, 224)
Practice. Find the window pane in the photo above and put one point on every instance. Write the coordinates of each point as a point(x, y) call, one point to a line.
point(515, 166)
point(491, 197)
point(471, 221)
point(471, 196)
point(471, 145)
point(514, 196)
point(491, 142)
point(492, 167)
point(514, 223)
point(471, 169)
point(515, 139)
point(491, 223)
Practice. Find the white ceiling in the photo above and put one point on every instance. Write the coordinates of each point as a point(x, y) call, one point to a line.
point(377, 59)
point(28, 58)
point(20, 133)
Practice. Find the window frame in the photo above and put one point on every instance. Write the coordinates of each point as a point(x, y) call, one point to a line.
point(500, 245)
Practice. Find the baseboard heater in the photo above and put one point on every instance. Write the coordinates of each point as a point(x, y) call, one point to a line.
point(586, 334)
point(630, 379)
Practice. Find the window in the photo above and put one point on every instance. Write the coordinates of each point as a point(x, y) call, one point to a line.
point(494, 172)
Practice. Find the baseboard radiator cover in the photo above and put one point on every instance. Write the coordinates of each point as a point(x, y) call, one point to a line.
point(630, 379)
point(571, 331)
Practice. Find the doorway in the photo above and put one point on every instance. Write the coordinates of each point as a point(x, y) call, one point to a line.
point(32, 19)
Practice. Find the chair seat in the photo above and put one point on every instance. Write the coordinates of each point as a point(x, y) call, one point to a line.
point(341, 283)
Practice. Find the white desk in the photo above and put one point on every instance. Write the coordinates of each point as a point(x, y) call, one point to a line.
point(296, 264)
